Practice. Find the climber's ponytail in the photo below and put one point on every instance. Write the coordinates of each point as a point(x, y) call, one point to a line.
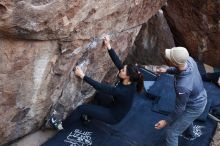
point(135, 76)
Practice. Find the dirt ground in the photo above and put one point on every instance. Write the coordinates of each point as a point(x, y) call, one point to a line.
point(216, 141)
point(35, 139)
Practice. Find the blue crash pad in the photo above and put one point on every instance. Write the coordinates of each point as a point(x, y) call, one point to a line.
point(135, 129)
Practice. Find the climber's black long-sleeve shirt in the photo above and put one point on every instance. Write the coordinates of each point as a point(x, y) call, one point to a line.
point(115, 59)
point(122, 94)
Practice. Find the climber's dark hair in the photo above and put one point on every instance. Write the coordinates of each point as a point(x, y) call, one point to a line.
point(135, 76)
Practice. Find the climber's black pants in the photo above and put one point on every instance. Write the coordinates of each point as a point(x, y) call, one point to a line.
point(98, 112)
point(104, 99)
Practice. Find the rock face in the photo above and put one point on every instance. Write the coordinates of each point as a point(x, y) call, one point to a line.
point(41, 41)
point(216, 139)
point(154, 37)
point(195, 25)
point(25, 72)
point(52, 19)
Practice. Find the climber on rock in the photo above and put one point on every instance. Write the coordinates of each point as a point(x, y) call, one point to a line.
point(119, 97)
point(191, 97)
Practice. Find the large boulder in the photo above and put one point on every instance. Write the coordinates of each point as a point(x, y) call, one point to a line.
point(52, 19)
point(152, 40)
point(195, 25)
point(25, 73)
point(40, 44)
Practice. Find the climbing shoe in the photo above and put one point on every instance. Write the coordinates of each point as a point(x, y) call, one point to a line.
point(55, 123)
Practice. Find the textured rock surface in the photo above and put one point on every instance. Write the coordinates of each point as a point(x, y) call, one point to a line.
point(196, 25)
point(154, 37)
point(51, 19)
point(24, 75)
point(216, 141)
point(36, 76)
